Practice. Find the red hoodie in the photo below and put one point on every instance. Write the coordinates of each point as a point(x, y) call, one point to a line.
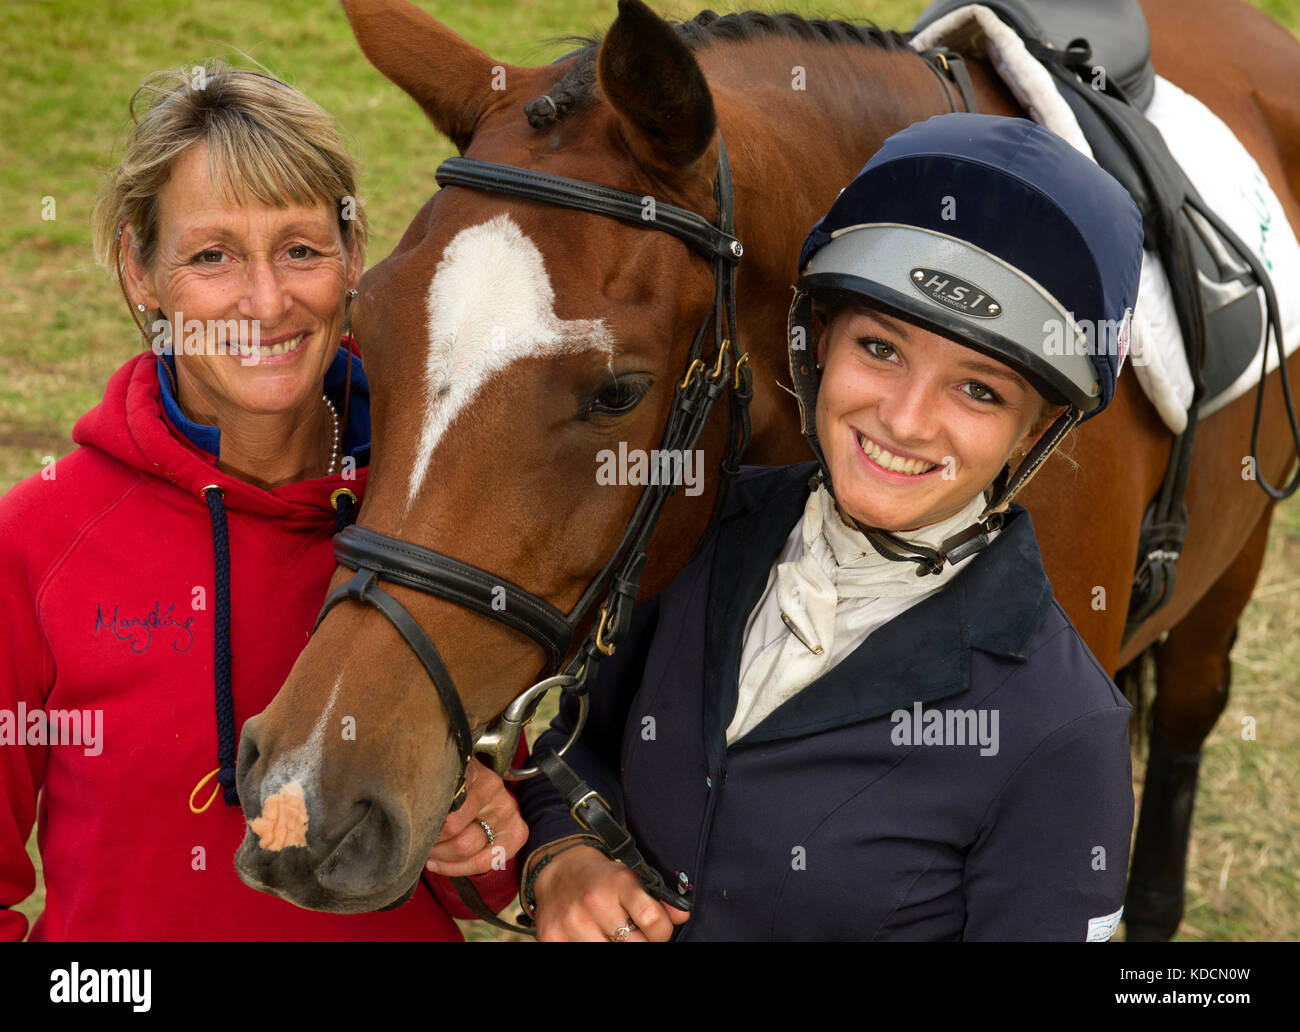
point(106, 580)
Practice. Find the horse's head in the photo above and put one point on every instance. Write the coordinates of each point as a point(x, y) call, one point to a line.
point(523, 359)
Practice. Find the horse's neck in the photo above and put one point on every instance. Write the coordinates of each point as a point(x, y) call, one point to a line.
point(806, 120)
point(800, 121)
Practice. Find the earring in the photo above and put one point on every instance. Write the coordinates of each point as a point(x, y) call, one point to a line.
point(140, 307)
point(347, 312)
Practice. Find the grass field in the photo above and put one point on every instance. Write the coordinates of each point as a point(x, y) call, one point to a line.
point(68, 70)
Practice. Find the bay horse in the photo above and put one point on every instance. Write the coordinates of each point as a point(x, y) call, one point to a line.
point(509, 343)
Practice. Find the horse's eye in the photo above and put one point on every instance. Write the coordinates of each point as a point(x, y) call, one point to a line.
point(619, 396)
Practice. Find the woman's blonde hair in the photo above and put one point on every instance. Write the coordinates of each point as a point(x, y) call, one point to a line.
point(265, 140)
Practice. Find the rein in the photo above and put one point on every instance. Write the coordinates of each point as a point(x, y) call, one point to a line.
point(376, 557)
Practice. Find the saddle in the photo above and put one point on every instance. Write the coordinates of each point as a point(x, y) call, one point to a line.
point(1099, 53)
point(1116, 30)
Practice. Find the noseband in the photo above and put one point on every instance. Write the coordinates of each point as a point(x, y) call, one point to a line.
point(376, 557)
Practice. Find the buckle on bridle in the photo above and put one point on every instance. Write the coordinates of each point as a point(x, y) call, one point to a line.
point(573, 810)
point(723, 354)
point(695, 366)
point(741, 363)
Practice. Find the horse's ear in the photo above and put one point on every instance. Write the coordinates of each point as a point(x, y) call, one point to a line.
point(454, 82)
point(653, 83)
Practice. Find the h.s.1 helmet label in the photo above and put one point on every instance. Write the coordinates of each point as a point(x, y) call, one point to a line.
point(956, 293)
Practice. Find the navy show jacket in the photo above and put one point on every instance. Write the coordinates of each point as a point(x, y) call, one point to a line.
point(830, 819)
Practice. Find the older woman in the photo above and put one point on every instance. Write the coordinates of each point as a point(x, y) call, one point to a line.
point(859, 713)
point(161, 579)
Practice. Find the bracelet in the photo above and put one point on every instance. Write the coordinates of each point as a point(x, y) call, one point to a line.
point(526, 897)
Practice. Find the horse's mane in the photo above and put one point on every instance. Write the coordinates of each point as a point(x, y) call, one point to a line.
point(578, 85)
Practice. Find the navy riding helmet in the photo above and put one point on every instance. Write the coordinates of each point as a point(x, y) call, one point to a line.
point(997, 234)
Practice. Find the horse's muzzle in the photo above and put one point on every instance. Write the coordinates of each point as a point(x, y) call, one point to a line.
point(356, 853)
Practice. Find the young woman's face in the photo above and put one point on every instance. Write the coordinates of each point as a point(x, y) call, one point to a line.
point(913, 425)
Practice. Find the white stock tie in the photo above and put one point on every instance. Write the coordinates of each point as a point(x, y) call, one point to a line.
point(829, 599)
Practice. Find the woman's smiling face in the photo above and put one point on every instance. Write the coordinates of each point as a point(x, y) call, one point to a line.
point(913, 426)
point(266, 275)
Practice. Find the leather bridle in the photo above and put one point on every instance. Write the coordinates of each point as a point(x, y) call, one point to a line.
point(376, 557)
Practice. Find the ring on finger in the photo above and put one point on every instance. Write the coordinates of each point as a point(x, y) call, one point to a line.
point(487, 830)
point(623, 932)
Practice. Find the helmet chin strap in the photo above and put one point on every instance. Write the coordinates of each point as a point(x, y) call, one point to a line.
point(928, 560)
point(976, 537)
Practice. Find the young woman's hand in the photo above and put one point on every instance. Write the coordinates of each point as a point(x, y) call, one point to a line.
point(583, 896)
point(465, 847)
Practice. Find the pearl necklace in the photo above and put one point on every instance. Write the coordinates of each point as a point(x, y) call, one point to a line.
point(334, 447)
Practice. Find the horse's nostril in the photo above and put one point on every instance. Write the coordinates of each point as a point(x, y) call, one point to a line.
point(248, 772)
point(248, 753)
point(372, 850)
point(355, 816)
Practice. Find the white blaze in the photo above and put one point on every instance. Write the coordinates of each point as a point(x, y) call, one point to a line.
point(490, 303)
point(303, 763)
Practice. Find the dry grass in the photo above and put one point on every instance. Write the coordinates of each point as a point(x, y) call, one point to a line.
point(1242, 865)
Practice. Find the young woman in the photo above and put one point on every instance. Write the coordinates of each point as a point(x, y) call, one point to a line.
point(859, 713)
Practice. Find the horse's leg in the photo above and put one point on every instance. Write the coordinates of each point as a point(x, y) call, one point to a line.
point(1193, 676)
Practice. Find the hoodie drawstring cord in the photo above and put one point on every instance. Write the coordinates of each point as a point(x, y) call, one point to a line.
point(213, 494)
point(344, 502)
